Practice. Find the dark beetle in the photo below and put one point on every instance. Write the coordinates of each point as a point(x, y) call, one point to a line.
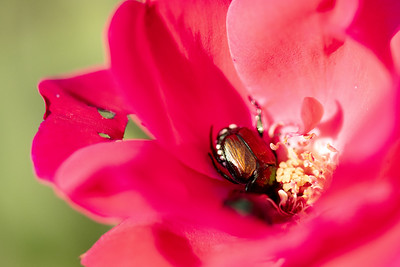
point(244, 157)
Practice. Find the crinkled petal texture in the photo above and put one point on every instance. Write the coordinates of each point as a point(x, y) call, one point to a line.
point(170, 79)
point(290, 50)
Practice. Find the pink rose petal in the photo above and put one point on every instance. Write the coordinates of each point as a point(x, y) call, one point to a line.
point(170, 243)
point(73, 118)
point(171, 64)
point(358, 214)
point(375, 24)
point(381, 251)
point(395, 49)
point(177, 92)
point(357, 218)
point(203, 23)
point(290, 50)
point(142, 181)
point(125, 245)
point(145, 178)
point(311, 113)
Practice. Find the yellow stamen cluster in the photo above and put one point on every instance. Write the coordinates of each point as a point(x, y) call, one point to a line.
point(304, 174)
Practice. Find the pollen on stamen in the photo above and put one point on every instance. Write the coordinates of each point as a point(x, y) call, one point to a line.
point(304, 172)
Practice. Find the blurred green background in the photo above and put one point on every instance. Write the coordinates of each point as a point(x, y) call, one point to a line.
point(39, 39)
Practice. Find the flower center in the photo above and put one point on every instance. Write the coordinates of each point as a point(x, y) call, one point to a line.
point(305, 167)
point(283, 177)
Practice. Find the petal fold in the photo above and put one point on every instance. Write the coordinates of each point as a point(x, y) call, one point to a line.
point(136, 179)
point(142, 181)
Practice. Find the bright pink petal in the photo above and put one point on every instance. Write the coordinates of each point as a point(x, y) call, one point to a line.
point(360, 213)
point(164, 243)
point(375, 24)
point(119, 179)
point(135, 179)
point(142, 181)
point(73, 118)
point(178, 242)
point(359, 217)
point(202, 24)
point(172, 83)
point(381, 251)
point(395, 49)
point(290, 50)
point(126, 245)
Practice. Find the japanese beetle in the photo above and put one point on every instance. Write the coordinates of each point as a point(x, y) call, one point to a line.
point(244, 157)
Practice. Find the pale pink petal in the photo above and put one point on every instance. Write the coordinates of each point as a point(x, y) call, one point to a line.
point(311, 113)
point(290, 50)
point(74, 119)
point(176, 91)
point(333, 125)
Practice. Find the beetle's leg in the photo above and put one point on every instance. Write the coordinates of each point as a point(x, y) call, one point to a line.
point(212, 147)
point(215, 157)
point(220, 171)
point(259, 124)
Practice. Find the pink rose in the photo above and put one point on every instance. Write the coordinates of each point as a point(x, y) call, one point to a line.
point(326, 75)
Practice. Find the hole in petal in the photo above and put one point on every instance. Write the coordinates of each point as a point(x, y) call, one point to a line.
point(104, 135)
point(106, 113)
